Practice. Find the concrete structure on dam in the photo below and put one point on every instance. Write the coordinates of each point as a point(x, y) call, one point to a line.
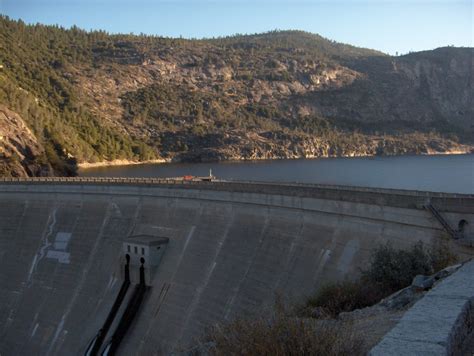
point(198, 253)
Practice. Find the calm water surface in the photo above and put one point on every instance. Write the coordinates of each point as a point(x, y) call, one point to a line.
point(454, 174)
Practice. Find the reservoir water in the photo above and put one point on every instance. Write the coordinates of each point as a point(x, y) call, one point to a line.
point(443, 173)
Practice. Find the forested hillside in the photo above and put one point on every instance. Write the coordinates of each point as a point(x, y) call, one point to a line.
point(92, 97)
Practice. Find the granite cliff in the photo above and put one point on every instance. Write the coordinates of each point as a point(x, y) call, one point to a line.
point(20, 152)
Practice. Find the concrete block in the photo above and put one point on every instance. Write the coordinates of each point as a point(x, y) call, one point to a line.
point(458, 285)
point(422, 282)
point(395, 347)
point(431, 320)
point(441, 318)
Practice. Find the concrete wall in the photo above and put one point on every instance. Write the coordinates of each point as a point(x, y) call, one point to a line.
point(231, 250)
point(439, 323)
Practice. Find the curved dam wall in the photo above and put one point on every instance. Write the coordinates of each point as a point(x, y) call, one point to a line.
point(232, 247)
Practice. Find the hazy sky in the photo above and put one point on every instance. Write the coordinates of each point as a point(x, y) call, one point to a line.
point(389, 26)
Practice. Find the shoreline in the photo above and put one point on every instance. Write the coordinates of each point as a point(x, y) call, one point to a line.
point(119, 162)
point(124, 162)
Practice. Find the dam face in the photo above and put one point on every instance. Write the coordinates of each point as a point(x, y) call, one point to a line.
point(231, 248)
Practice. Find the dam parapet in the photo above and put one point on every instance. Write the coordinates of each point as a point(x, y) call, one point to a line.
point(382, 196)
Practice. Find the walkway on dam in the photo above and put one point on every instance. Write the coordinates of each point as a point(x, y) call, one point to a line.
point(215, 183)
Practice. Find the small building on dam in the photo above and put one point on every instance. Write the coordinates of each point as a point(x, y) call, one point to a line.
point(141, 266)
point(146, 250)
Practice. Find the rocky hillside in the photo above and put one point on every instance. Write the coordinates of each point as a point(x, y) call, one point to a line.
point(21, 152)
point(91, 97)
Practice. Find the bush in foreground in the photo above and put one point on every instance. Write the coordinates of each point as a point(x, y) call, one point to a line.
point(392, 269)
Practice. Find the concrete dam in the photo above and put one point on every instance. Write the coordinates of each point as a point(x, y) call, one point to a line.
point(142, 266)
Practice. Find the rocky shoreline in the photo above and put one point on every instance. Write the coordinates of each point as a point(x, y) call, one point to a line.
point(86, 165)
point(22, 154)
point(119, 162)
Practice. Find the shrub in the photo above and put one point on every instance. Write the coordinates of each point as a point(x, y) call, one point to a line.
point(442, 256)
point(391, 269)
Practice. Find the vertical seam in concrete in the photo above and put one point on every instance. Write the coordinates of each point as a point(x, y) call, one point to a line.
point(9, 319)
point(135, 216)
point(237, 290)
point(290, 254)
point(200, 290)
point(183, 251)
point(25, 209)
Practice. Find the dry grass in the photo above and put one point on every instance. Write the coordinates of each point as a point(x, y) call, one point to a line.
point(335, 298)
point(282, 334)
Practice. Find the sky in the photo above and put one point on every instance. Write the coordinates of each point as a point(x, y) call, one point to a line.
point(386, 25)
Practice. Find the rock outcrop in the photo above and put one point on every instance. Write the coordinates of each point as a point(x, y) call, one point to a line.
point(21, 154)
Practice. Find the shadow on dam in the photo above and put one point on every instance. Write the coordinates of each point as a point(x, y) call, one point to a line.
point(220, 251)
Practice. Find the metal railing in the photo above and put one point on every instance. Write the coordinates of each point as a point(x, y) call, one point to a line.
point(455, 234)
